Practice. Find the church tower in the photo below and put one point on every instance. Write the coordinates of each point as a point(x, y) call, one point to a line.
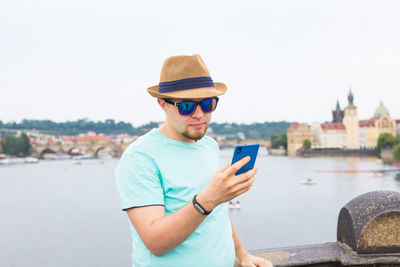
point(337, 114)
point(351, 124)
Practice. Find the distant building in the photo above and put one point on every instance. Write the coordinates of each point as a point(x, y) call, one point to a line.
point(122, 139)
point(91, 138)
point(296, 134)
point(337, 114)
point(351, 123)
point(316, 134)
point(345, 131)
point(333, 135)
point(397, 127)
point(384, 124)
point(67, 140)
point(378, 124)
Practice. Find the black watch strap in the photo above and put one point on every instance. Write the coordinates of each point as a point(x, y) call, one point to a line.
point(198, 207)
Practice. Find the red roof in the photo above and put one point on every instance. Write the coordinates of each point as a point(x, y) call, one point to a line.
point(333, 126)
point(366, 123)
point(370, 122)
point(50, 142)
point(31, 141)
point(91, 138)
point(294, 126)
point(72, 139)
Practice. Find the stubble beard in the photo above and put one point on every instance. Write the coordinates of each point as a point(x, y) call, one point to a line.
point(195, 136)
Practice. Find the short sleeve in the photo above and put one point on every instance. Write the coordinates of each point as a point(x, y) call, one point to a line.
point(138, 182)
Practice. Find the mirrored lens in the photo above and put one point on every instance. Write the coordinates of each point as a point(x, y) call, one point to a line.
point(186, 107)
point(208, 105)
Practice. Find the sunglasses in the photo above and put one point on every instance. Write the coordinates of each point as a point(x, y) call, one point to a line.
point(188, 107)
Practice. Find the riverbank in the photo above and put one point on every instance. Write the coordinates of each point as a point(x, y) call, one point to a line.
point(332, 152)
point(386, 155)
point(62, 157)
point(23, 160)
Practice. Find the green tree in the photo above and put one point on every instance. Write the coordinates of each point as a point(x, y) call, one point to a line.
point(307, 144)
point(251, 131)
point(253, 134)
point(397, 140)
point(14, 146)
point(24, 145)
point(9, 145)
point(278, 141)
point(275, 141)
point(284, 140)
point(396, 152)
point(385, 140)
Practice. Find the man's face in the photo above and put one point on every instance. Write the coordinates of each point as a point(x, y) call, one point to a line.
point(187, 128)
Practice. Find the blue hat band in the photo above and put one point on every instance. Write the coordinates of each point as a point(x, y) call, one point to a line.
point(185, 84)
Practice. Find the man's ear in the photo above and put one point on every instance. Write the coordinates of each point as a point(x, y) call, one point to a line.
point(162, 103)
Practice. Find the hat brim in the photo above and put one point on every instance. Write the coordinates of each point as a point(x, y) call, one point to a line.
point(205, 92)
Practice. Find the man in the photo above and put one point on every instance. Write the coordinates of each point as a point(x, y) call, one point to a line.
point(170, 182)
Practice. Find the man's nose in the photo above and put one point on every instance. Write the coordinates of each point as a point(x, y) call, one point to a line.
point(198, 112)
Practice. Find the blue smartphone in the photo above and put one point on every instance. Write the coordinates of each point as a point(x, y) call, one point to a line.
point(242, 151)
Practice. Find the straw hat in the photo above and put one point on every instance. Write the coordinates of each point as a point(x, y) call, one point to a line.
point(186, 77)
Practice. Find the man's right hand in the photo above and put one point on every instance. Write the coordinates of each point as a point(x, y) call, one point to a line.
point(225, 185)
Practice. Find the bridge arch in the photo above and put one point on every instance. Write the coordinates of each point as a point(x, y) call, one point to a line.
point(78, 149)
point(112, 149)
point(47, 150)
point(75, 150)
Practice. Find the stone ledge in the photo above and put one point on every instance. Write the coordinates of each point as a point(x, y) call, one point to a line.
point(328, 254)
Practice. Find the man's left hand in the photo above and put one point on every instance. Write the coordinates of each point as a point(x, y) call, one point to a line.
point(249, 260)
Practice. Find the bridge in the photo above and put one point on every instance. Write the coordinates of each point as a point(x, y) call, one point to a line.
point(263, 142)
point(114, 150)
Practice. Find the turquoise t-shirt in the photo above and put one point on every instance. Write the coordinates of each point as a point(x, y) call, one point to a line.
point(157, 170)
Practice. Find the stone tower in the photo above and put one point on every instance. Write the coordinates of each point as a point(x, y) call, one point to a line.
point(351, 123)
point(337, 114)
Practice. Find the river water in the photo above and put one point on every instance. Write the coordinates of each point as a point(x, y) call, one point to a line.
point(66, 213)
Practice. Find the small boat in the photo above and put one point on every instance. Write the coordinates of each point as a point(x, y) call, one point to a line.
point(84, 156)
point(31, 160)
point(234, 205)
point(57, 156)
point(308, 181)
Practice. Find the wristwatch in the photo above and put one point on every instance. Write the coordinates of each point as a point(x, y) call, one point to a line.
point(198, 207)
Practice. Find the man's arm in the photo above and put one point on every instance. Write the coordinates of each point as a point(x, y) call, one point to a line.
point(245, 258)
point(161, 233)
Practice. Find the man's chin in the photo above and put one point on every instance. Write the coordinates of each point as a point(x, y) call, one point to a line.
point(197, 135)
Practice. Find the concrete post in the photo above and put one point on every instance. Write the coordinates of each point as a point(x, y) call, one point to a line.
point(370, 223)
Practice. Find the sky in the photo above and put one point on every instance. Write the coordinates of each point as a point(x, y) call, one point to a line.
point(281, 60)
